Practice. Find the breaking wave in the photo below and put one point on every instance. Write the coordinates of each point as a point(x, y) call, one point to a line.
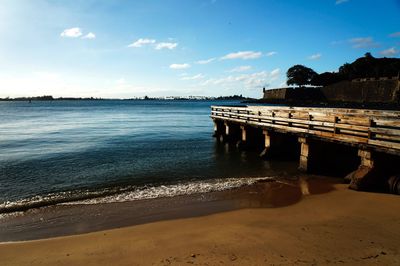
point(130, 193)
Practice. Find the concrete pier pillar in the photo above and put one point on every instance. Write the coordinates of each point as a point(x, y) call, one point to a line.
point(267, 143)
point(215, 127)
point(366, 158)
point(224, 136)
point(244, 135)
point(304, 154)
point(241, 144)
point(226, 128)
point(363, 177)
point(230, 132)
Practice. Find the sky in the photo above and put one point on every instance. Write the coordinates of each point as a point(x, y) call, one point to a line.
point(124, 49)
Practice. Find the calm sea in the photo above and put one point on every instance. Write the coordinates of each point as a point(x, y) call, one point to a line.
point(54, 152)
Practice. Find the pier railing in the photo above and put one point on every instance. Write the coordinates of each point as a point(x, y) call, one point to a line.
point(372, 128)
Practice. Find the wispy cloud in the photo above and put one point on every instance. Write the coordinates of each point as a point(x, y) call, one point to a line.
point(275, 74)
point(206, 61)
point(363, 42)
point(142, 42)
point(71, 33)
point(179, 66)
point(195, 77)
point(338, 2)
point(271, 53)
point(389, 52)
point(395, 34)
point(166, 45)
point(315, 56)
point(90, 35)
point(240, 69)
point(242, 55)
point(152, 42)
point(251, 80)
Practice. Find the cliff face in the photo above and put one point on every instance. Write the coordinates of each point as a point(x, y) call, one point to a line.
point(383, 90)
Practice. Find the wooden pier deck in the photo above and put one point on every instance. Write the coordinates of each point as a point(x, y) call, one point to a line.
point(368, 130)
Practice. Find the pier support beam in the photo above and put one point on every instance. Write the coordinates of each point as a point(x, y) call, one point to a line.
point(215, 127)
point(304, 154)
point(225, 137)
point(244, 134)
point(230, 132)
point(242, 143)
point(362, 178)
point(267, 144)
point(218, 128)
point(226, 128)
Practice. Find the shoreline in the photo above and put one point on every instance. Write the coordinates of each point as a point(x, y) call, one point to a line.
point(65, 219)
point(340, 226)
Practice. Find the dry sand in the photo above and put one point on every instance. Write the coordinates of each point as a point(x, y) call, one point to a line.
point(339, 227)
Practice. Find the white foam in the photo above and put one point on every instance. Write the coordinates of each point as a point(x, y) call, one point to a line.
point(185, 188)
point(111, 195)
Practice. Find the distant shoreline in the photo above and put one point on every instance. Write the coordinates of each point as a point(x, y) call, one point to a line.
point(145, 98)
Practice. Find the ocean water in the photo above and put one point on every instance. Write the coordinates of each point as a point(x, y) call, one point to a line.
point(88, 152)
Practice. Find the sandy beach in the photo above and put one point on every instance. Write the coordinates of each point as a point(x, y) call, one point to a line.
point(337, 227)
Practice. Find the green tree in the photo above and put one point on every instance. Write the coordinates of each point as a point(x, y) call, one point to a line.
point(300, 75)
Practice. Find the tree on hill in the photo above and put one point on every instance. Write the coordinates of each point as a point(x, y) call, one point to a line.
point(364, 67)
point(326, 78)
point(300, 75)
point(370, 67)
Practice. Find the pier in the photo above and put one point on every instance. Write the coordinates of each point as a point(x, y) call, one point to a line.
point(362, 145)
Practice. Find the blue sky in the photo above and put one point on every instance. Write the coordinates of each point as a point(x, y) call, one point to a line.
point(123, 49)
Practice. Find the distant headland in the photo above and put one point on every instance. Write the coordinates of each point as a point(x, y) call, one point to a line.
point(144, 98)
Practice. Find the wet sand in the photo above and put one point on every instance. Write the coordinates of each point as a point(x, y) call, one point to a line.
point(61, 220)
point(317, 222)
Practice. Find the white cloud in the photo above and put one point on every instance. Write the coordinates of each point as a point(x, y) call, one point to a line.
point(315, 56)
point(166, 45)
point(242, 55)
point(203, 62)
point(71, 33)
point(275, 74)
point(395, 34)
point(363, 42)
point(252, 80)
point(179, 66)
point(389, 52)
point(198, 76)
point(90, 35)
point(141, 42)
point(240, 69)
point(271, 53)
point(338, 2)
